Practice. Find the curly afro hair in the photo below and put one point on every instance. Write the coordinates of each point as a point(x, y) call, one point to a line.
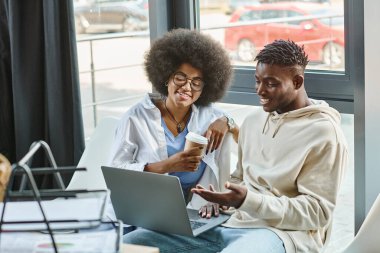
point(180, 46)
point(284, 53)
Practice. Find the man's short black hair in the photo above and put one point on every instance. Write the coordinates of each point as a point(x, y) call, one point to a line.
point(284, 53)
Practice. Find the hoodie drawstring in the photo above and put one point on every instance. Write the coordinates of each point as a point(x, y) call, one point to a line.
point(277, 126)
point(266, 123)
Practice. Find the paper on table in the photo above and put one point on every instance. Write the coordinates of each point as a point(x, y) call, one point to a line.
point(88, 211)
point(86, 242)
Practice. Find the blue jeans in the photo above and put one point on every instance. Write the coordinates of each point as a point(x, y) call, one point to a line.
point(219, 239)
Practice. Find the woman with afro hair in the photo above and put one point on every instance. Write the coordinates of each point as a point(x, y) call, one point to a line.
point(189, 71)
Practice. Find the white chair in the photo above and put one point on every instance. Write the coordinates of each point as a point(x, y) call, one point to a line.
point(367, 239)
point(94, 156)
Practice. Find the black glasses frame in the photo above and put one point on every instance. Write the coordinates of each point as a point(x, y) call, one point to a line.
point(196, 83)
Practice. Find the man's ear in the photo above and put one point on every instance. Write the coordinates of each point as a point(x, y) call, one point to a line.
point(298, 81)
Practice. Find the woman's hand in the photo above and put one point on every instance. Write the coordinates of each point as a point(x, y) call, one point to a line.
point(215, 134)
point(185, 161)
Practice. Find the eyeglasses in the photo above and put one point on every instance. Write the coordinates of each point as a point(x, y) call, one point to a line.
point(180, 79)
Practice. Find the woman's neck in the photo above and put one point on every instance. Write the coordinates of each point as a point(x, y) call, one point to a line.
point(178, 112)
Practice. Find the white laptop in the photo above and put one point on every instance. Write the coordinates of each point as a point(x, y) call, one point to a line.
point(154, 201)
point(367, 240)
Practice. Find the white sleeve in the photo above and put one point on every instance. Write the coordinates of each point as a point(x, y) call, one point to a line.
point(124, 149)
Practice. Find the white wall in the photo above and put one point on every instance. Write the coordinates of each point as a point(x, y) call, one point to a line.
point(372, 99)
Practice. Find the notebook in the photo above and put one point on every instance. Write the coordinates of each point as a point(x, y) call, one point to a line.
point(154, 201)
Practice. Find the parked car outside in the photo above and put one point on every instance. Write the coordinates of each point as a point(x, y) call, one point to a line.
point(111, 15)
point(323, 38)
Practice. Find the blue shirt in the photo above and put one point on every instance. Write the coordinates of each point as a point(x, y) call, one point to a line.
point(176, 144)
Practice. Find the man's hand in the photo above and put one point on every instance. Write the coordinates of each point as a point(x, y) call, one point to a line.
point(234, 197)
point(210, 209)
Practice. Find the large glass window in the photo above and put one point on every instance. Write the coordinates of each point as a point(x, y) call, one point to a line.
point(244, 27)
point(336, 51)
point(112, 36)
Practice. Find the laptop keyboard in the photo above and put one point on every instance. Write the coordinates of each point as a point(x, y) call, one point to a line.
point(196, 224)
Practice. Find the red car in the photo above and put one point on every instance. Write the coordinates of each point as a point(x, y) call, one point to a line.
point(322, 37)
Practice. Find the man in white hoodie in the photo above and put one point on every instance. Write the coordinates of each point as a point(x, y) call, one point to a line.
point(292, 156)
point(291, 159)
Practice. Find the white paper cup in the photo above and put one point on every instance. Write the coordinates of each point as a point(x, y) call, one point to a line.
point(196, 140)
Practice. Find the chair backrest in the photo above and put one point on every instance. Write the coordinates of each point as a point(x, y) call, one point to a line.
point(94, 156)
point(367, 238)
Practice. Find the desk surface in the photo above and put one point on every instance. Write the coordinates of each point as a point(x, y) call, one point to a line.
point(129, 248)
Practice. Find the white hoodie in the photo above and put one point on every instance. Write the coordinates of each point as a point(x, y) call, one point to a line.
point(292, 165)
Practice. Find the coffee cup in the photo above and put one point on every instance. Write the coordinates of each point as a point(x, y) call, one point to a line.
point(196, 140)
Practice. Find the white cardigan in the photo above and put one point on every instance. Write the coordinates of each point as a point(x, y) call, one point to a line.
point(140, 139)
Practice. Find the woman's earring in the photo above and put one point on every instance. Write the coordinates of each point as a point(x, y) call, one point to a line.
point(166, 83)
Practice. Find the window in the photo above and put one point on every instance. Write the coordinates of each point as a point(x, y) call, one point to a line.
point(269, 14)
point(314, 25)
point(250, 15)
point(331, 31)
point(112, 36)
point(292, 14)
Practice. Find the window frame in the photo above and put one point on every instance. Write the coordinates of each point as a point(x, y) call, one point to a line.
point(337, 88)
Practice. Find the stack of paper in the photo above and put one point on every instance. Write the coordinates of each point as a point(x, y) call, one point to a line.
point(62, 214)
point(83, 242)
